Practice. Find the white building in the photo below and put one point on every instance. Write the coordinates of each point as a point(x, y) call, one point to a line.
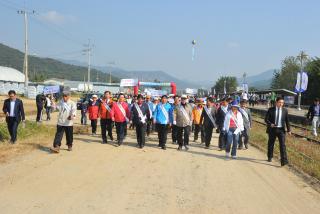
point(11, 79)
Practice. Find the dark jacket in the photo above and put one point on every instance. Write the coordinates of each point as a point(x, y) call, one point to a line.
point(311, 111)
point(18, 109)
point(40, 99)
point(220, 118)
point(271, 117)
point(205, 119)
point(135, 115)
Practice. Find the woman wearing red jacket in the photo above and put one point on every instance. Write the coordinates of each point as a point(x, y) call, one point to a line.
point(93, 111)
point(120, 114)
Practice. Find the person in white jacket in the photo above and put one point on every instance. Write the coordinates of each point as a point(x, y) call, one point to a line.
point(233, 126)
point(67, 112)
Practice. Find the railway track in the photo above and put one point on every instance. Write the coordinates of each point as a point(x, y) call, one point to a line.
point(304, 129)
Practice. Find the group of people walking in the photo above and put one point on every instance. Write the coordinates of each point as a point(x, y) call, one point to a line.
point(175, 114)
point(180, 116)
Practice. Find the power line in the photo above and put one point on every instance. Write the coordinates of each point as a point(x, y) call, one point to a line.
point(70, 53)
point(57, 28)
point(40, 20)
point(10, 7)
point(57, 31)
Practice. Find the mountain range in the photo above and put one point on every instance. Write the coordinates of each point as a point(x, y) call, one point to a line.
point(44, 68)
point(143, 76)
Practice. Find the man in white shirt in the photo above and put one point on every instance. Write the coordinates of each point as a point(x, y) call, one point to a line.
point(276, 120)
point(14, 111)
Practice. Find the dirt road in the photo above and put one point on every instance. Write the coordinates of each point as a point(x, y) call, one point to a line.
point(96, 178)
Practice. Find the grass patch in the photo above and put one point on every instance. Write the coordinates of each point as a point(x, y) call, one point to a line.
point(33, 136)
point(302, 154)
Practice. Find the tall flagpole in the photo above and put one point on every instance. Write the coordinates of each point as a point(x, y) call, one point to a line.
point(302, 57)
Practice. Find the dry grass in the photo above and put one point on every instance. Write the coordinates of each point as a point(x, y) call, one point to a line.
point(33, 136)
point(302, 154)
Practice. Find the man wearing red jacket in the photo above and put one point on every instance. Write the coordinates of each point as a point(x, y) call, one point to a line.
point(93, 110)
point(105, 116)
point(120, 114)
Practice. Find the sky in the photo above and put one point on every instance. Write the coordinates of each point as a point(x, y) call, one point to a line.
point(232, 36)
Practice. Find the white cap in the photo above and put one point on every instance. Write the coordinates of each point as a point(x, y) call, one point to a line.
point(94, 96)
point(184, 96)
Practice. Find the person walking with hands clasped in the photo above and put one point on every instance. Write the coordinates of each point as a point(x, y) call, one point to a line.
point(233, 126)
point(105, 116)
point(162, 120)
point(120, 114)
point(182, 118)
point(208, 121)
point(140, 115)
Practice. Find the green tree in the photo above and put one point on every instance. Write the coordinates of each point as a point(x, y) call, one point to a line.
point(231, 84)
point(313, 70)
point(287, 76)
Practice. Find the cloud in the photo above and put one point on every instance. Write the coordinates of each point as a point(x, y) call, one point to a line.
point(56, 17)
point(233, 45)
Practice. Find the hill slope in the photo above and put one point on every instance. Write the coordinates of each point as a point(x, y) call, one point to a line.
point(259, 81)
point(43, 68)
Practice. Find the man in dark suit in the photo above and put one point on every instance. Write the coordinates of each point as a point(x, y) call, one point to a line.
point(13, 109)
point(276, 120)
point(139, 117)
point(208, 119)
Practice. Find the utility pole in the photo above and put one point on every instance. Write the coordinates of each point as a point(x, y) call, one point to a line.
point(88, 51)
point(302, 57)
point(110, 70)
point(25, 61)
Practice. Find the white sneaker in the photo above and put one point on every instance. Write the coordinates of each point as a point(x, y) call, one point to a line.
point(227, 155)
point(234, 157)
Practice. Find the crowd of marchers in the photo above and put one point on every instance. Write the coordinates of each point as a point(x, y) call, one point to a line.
point(178, 115)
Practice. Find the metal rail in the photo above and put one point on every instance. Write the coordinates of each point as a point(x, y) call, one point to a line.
point(294, 133)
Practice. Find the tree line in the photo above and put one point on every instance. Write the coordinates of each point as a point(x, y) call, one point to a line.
point(286, 77)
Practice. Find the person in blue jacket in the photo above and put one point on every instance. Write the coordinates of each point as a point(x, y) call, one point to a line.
point(162, 120)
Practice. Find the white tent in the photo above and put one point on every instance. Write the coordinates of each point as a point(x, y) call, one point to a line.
point(10, 75)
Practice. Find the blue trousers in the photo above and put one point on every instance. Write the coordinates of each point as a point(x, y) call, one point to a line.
point(232, 139)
